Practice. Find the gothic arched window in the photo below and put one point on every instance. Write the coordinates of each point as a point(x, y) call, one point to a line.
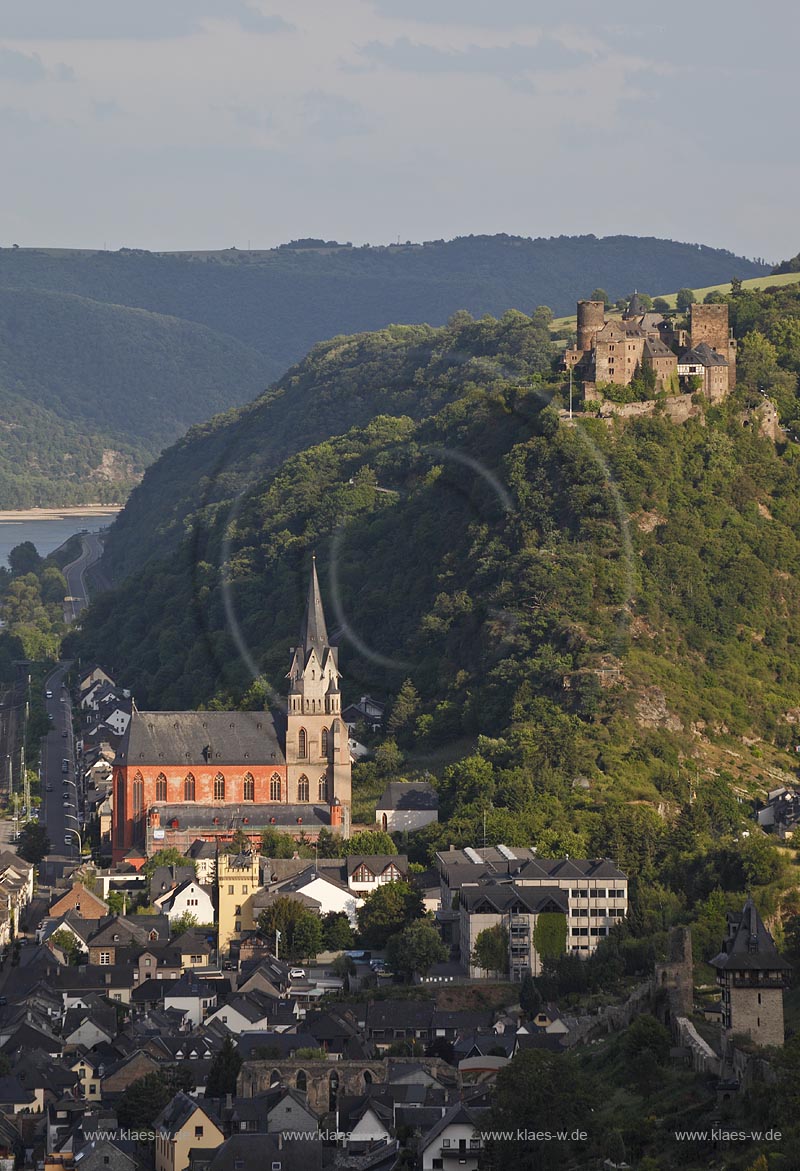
point(188, 787)
point(219, 787)
point(138, 793)
point(323, 788)
point(324, 741)
point(275, 787)
point(249, 791)
point(301, 1081)
point(303, 789)
point(161, 787)
point(302, 744)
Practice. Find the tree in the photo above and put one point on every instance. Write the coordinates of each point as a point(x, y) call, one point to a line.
point(67, 943)
point(169, 856)
point(393, 905)
point(300, 928)
point(415, 949)
point(337, 932)
point(34, 843)
point(274, 844)
point(24, 558)
point(404, 709)
point(550, 935)
point(491, 950)
point(684, 299)
point(143, 1101)
point(371, 841)
point(530, 998)
point(537, 1085)
point(182, 923)
point(601, 295)
point(224, 1070)
point(646, 1034)
point(661, 305)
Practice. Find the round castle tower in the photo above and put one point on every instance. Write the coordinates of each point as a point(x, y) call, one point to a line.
point(591, 319)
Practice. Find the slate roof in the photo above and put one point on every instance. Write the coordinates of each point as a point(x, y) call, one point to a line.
point(409, 795)
point(257, 1152)
point(702, 355)
point(377, 863)
point(502, 897)
point(749, 946)
point(186, 739)
point(164, 878)
point(205, 817)
point(400, 1014)
point(459, 1114)
point(655, 348)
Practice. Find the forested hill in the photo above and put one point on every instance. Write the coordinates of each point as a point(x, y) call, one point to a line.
point(283, 301)
point(595, 601)
point(90, 393)
point(107, 357)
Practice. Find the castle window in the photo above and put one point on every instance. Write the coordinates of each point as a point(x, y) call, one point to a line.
point(324, 741)
point(275, 787)
point(219, 787)
point(323, 788)
point(302, 743)
point(161, 787)
point(138, 793)
point(303, 789)
point(188, 787)
point(249, 793)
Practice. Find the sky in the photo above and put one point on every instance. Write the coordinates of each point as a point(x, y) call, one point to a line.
point(177, 124)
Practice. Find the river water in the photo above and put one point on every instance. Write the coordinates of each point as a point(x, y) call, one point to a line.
point(46, 533)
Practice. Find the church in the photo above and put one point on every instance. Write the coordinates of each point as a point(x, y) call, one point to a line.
point(183, 776)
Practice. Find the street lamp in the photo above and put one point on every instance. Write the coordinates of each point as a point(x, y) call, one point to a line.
point(69, 830)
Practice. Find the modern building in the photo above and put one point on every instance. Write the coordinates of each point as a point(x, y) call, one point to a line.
point(183, 776)
point(596, 889)
point(516, 909)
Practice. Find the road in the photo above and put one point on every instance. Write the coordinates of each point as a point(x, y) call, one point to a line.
point(60, 814)
point(77, 598)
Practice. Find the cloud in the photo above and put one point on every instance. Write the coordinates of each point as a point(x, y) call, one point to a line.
point(16, 66)
point(331, 116)
point(510, 62)
point(126, 19)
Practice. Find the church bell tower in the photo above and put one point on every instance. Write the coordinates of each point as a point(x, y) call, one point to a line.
point(317, 753)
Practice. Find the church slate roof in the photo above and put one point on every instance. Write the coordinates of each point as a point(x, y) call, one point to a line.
point(314, 632)
point(193, 816)
point(187, 739)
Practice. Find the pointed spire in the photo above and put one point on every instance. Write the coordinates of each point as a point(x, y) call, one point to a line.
point(314, 632)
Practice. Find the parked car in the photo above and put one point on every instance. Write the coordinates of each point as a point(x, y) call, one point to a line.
point(49, 788)
point(65, 765)
point(65, 733)
point(297, 974)
point(48, 695)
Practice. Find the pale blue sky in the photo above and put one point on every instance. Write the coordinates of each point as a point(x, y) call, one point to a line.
point(207, 123)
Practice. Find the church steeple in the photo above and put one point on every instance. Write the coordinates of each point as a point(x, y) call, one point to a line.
point(313, 631)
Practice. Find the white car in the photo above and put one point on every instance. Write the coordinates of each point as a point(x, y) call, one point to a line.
point(48, 695)
point(297, 974)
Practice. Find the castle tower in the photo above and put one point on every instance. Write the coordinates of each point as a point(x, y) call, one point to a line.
point(752, 977)
point(238, 880)
point(317, 750)
point(710, 324)
point(591, 319)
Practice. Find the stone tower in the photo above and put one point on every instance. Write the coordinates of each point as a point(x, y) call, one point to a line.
point(317, 749)
point(591, 319)
point(752, 977)
point(709, 324)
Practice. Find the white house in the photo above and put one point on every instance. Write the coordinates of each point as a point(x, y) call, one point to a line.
point(252, 1012)
point(324, 889)
point(188, 898)
point(455, 1140)
point(407, 805)
point(366, 872)
point(196, 998)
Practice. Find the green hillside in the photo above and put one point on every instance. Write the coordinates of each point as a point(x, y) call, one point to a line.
point(284, 301)
point(124, 351)
point(90, 393)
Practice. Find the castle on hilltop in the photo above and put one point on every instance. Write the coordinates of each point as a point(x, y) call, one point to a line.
point(645, 343)
point(180, 777)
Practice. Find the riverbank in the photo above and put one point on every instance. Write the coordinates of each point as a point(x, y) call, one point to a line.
point(90, 511)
